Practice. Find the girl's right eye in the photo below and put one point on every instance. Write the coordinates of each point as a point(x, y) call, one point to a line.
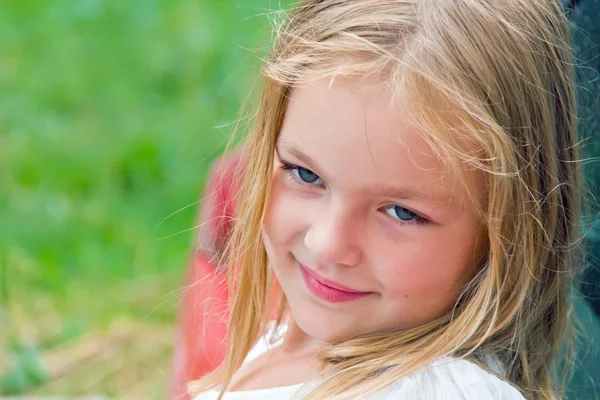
point(303, 175)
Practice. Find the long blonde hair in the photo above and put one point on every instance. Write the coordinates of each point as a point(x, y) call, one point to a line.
point(497, 73)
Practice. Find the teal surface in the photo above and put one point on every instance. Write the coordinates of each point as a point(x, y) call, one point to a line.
point(585, 381)
point(586, 18)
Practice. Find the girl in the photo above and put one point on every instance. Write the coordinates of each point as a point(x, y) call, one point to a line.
point(408, 208)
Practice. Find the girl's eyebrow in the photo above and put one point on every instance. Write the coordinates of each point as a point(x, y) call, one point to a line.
point(437, 197)
point(414, 194)
point(312, 164)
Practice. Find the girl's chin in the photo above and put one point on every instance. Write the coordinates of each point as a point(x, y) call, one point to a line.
point(321, 326)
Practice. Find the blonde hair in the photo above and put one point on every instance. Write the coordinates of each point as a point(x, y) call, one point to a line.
point(496, 73)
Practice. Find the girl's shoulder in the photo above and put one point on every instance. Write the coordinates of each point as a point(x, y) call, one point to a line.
point(452, 379)
point(447, 378)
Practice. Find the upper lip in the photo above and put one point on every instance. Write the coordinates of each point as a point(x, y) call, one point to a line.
point(328, 282)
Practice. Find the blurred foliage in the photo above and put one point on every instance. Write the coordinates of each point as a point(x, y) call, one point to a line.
point(108, 123)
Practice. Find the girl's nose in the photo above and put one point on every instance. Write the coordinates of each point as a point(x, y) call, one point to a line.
point(333, 240)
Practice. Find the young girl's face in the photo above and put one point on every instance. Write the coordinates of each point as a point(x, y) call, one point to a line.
point(366, 229)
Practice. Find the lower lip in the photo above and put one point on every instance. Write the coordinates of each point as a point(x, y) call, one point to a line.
point(327, 292)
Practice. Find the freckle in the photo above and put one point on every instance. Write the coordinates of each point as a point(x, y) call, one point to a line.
point(405, 295)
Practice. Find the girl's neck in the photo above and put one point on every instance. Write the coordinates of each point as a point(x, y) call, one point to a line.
point(296, 341)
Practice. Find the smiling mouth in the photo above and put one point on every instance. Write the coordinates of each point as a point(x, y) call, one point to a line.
point(325, 290)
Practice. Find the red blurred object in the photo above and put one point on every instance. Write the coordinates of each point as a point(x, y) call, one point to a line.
point(200, 342)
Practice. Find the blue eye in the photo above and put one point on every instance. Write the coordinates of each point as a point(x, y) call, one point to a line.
point(306, 175)
point(303, 175)
point(402, 214)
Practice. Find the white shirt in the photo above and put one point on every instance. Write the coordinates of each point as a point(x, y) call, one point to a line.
point(447, 378)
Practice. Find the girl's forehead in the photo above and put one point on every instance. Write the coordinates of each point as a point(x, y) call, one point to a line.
point(358, 138)
point(345, 112)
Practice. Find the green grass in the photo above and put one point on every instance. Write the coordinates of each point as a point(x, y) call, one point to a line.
point(108, 116)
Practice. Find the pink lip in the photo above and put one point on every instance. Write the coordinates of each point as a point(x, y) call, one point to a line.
point(328, 290)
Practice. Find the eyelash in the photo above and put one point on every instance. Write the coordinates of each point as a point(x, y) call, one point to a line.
point(289, 169)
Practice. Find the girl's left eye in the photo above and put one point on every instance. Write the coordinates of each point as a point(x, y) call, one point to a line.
point(403, 215)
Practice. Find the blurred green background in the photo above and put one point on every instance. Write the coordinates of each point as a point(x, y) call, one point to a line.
point(109, 121)
point(111, 113)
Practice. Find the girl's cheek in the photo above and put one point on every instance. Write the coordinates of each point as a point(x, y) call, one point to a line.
point(285, 215)
point(415, 269)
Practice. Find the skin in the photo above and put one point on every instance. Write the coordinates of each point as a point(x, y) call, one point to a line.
point(340, 146)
